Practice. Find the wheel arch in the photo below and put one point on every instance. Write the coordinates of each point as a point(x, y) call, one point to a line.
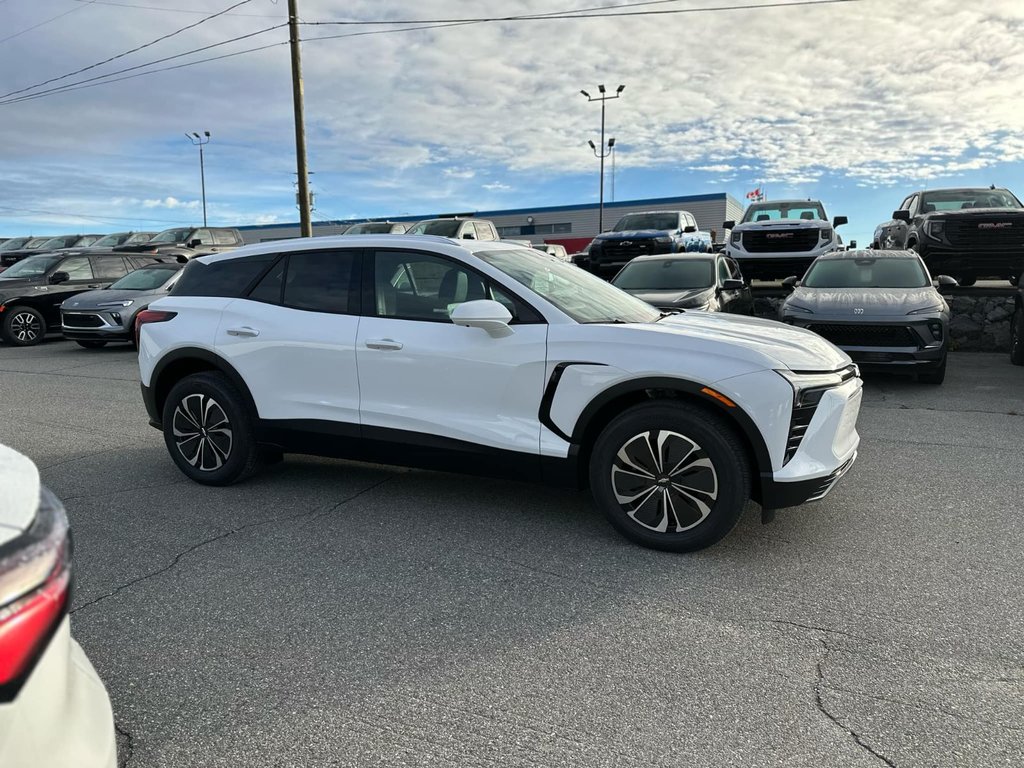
point(184, 362)
point(611, 402)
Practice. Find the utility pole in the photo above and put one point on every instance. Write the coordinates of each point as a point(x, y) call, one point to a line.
point(305, 221)
point(602, 98)
point(200, 141)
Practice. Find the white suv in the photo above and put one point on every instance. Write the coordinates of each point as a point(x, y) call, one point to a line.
point(494, 359)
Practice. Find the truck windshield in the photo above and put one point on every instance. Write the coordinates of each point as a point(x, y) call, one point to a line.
point(171, 236)
point(784, 211)
point(442, 228)
point(659, 221)
point(959, 199)
point(33, 266)
point(666, 275)
point(369, 228)
point(866, 273)
point(109, 241)
point(14, 244)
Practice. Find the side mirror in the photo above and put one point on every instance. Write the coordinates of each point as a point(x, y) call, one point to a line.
point(194, 243)
point(901, 215)
point(732, 284)
point(944, 283)
point(689, 228)
point(791, 282)
point(853, 245)
point(486, 314)
point(59, 277)
point(838, 221)
point(728, 224)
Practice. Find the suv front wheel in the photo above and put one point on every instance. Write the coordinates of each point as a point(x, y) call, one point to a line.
point(208, 430)
point(22, 326)
point(670, 476)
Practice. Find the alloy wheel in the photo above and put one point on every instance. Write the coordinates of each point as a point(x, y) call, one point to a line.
point(664, 481)
point(25, 327)
point(202, 432)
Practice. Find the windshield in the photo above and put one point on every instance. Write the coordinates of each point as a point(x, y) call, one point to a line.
point(866, 273)
point(781, 211)
point(109, 241)
point(441, 227)
point(33, 266)
point(139, 237)
point(36, 242)
point(959, 199)
point(579, 294)
point(145, 279)
point(369, 228)
point(666, 275)
point(57, 242)
point(14, 244)
point(171, 236)
point(663, 221)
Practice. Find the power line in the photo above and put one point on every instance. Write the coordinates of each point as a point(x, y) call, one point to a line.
point(101, 219)
point(126, 53)
point(44, 23)
point(107, 77)
point(174, 10)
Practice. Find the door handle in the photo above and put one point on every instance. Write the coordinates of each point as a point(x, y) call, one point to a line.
point(243, 331)
point(383, 344)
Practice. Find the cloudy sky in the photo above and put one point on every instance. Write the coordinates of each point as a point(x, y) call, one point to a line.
point(855, 103)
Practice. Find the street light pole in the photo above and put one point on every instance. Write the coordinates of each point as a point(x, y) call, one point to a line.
point(602, 98)
point(201, 141)
point(611, 147)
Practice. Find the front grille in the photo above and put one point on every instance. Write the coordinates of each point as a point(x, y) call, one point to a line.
point(986, 232)
point(81, 321)
point(780, 240)
point(624, 250)
point(798, 424)
point(866, 335)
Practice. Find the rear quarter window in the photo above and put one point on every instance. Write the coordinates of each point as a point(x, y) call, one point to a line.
point(229, 278)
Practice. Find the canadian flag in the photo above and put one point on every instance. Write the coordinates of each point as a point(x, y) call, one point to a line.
point(756, 195)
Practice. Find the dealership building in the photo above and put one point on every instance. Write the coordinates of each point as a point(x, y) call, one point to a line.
point(571, 225)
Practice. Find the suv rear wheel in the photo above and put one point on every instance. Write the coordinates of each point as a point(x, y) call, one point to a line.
point(22, 326)
point(208, 430)
point(670, 476)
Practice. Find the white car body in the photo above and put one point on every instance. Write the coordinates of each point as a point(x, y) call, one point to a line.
point(57, 712)
point(527, 393)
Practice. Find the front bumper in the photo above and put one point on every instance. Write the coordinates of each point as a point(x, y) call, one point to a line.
point(898, 342)
point(96, 325)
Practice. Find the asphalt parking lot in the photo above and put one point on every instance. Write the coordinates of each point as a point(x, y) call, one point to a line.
point(342, 614)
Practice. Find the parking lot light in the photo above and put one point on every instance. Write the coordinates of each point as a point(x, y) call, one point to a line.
point(603, 153)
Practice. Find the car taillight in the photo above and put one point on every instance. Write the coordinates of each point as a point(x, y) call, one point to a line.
point(150, 316)
point(35, 579)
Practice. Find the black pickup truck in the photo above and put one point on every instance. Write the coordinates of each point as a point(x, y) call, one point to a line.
point(970, 234)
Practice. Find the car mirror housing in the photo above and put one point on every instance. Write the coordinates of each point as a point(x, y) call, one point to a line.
point(901, 215)
point(59, 277)
point(944, 283)
point(838, 221)
point(486, 314)
point(791, 282)
point(728, 224)
point(195, 243)
point(732, 284)
point(689, 228)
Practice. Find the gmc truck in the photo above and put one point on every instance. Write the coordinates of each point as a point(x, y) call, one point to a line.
point(781, 238)
point(641, 234)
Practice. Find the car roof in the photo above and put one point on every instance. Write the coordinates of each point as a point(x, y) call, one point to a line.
point(962, 189)
point(867, 253)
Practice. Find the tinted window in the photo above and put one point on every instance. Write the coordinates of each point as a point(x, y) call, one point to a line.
point(321, 281)
point(224, 277)
point(77, 267)
point(957, 199)
point(866, 273)
point(109, 241)
point(369, 228)
point(171, 236)
point(33, 266)
point(661, 221)
point(14, 243)
point(441, 227)
point(109, 268)
point(666, 275)
point(204, 236)
point(269, 288)
point(776, 211)
point(147, 279)
point(224, 237)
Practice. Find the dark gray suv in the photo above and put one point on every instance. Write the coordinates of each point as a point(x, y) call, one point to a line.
point(880, 307)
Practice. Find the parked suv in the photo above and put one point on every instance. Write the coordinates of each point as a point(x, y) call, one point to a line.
point(641, 234)
point(487, 358)
point(459, 229)
point(781, 238)
point(968, 234)
point(32, 290)
point(15, 250)
point(188, 242)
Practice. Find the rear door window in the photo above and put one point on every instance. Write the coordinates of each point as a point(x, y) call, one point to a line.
point(109, 268)
point(322, 281)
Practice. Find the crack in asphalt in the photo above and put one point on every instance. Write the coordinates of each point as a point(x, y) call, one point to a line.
point(819, 702)
point(117, 491)
point(129, 748)
point(318, 512)
point(827, 630)
point(900, 407)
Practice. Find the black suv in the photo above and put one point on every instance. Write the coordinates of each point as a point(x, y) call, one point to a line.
point(966, 233)
point(188, 242)
point(32, 290)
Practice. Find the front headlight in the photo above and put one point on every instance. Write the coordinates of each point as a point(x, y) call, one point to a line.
point(126, 303)
point(826, 235)
point(927, 310)
point(935, 229)
point(808, 388)
point(735, 237)
point(796, 308)
point(663, 239)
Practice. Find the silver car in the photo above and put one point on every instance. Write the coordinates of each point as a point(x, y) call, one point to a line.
point(96, 317)
point(880, 307)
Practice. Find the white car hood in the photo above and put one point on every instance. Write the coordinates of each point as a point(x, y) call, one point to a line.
point(777, 344)
point(19, 493)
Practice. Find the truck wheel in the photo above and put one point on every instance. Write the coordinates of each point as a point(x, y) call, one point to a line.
point(22, 327)
point(670, 476)
point(1017, 337)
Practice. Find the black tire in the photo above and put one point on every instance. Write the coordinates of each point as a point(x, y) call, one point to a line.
point(208, 430)
point(967, 281)
point(90, 343)
point(934, 376)
point(701, 447)
point(1017, 337)
point(1014, 280)
point(22, 326)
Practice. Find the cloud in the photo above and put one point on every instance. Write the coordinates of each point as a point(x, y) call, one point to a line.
point(172, 203)
point(459, 173)
point(496, 186)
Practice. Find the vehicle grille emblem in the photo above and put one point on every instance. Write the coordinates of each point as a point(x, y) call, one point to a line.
point(858, 310)
point(626, 242)
point(779, 235)
point(995, 224)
